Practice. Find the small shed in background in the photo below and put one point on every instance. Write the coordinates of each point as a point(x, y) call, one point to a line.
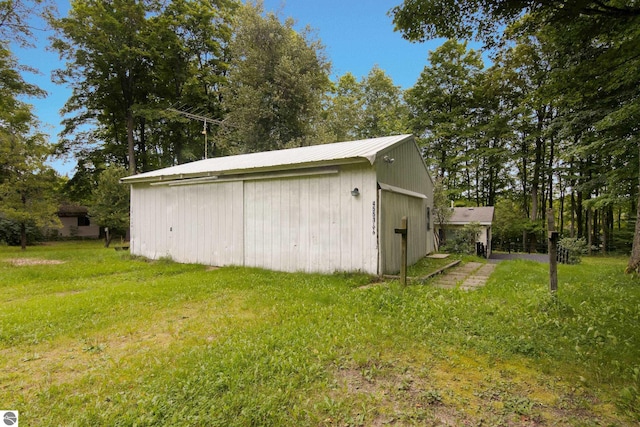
point(76, 222)
point(322, 208)
point(463, 216)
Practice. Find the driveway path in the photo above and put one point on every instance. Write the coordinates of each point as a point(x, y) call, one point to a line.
point(468, 276)
point(497, 257)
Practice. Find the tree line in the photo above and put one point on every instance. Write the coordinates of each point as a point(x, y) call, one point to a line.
point(544, 116)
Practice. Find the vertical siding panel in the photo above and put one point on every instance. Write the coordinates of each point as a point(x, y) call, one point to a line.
point(356, 221)
point(285, 225)
point(262, 231)
point(180, 224)
point(186, 220)
point(219, 222)
point(204, 231)
point(238, 235)
point(133, 212)
point(314, 224)
point(294, 226)
point(275, 224)
point(370, 223)
point(200, 225)
point(223, 232)
point(151, 202)
point(335, 206)
point(249, 224)
point(346, 261)
point(305, 232)
point(154, 201)
point(323, 205)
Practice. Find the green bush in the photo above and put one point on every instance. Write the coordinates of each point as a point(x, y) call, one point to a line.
point(462, 241)
point(10, 233)
point(576, 248)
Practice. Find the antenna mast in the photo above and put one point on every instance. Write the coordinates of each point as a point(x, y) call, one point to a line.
point(196, 114)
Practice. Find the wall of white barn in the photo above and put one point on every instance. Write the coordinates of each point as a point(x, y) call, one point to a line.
point(409, 172)
point(150, 219)
point(393, 207)
point(192, 223)
point(208, 226)
point(313, 223)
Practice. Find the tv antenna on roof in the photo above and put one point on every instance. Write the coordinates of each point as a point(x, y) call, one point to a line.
point(196, 114)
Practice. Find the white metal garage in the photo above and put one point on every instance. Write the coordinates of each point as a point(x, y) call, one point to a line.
point(321, 208)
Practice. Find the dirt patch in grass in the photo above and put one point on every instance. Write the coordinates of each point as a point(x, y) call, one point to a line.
point(112, 354)
point(461, 392)
point(20, 262)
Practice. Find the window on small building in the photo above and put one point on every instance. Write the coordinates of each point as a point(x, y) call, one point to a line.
point(428, 218)
point(83, 221)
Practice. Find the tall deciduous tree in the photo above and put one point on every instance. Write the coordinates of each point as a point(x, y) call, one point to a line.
point(384, 110)
point(110, 203)
point(277, 80)
point(594, 65)
point(369, 108)
point(343, 112)
point(442, 105)
point(127, 61)
point(26, 183)
point(107, 66)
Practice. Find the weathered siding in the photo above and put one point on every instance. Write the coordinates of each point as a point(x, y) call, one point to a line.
point(312, 223)
point(300, 218)
point(70, 227)
point(207, 225)
point(407, 171)
point(151, 210)
point(196, 223)
point(393, 207)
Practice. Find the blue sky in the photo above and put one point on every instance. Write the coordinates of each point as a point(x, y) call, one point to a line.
point(357, 35)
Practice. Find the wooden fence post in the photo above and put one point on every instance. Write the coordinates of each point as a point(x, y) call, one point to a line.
point(403, 263)
point(553, 252)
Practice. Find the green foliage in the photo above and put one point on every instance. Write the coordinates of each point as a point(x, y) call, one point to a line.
point(110, 205)
point(509, 221)
point(369, 108)
point(443, 110)
point(385, 112)
point(462, 240)
point(576, 248)
point(126, 62)
point(276, 80)
point(441, 207)
point(573, 115)
point(10, 233)
point(27, 185)
point(268, 348)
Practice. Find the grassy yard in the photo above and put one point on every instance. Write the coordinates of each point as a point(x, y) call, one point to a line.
point(91, 336)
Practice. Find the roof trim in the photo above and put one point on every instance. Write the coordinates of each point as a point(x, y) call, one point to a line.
point(399, 190)
point(348, 152)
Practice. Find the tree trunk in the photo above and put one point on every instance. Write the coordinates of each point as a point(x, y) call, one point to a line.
point(588, 231)
point(130, 143)
point(605, 229)
point(23, 236)
point(579, 215)
point(634, 260)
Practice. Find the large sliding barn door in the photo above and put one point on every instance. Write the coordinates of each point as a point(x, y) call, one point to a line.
point(207, 223)
point(393, 206)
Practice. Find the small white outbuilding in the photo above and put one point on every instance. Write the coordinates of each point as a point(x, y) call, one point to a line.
point(322, 208)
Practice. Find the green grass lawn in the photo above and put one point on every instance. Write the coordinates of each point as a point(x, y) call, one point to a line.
point(101, 338)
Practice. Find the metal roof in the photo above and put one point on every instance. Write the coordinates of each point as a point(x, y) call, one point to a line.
point(315, 155)
point(483, 215)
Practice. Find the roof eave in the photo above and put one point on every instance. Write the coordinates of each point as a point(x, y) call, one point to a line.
point(243, 171)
